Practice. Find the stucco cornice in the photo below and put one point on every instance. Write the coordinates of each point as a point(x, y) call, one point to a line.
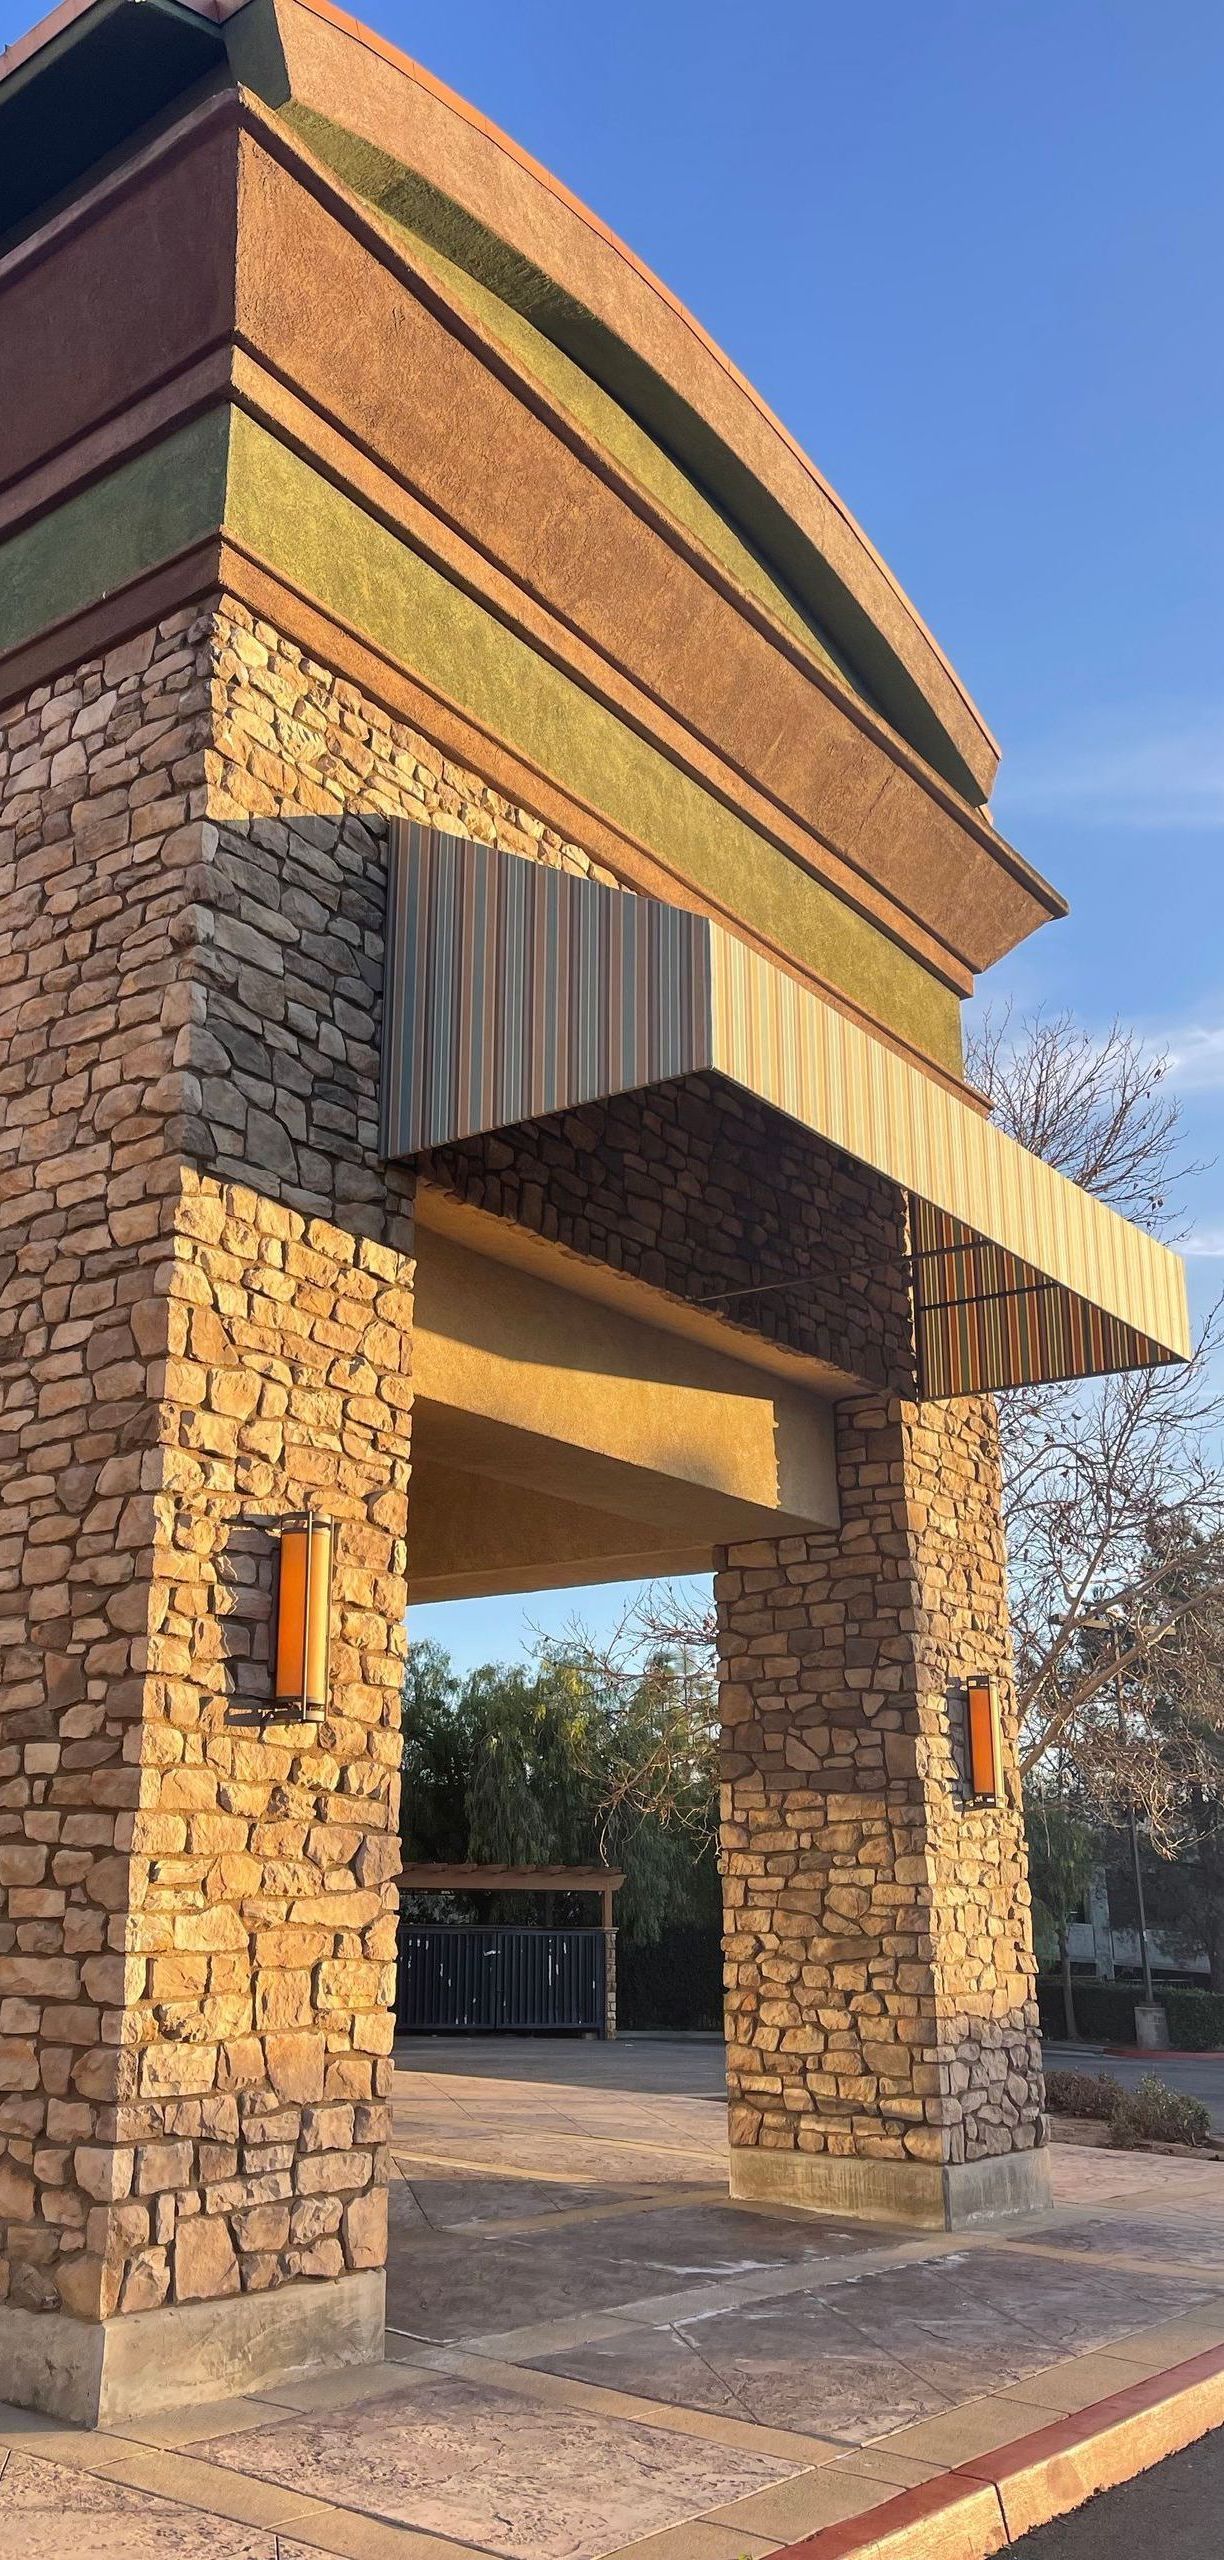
point(346, 73)
point(82, 89)
point(886, 795)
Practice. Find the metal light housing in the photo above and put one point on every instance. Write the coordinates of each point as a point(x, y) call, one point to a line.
point(301, 1654)
point(984, 1740)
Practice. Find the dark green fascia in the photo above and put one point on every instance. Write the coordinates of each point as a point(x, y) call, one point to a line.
point(158, 504)
point(89, 88)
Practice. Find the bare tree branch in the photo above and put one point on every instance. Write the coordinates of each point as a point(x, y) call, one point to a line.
point(1113, 1490)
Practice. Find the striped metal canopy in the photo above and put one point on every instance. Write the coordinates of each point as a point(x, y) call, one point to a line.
point(515, 990)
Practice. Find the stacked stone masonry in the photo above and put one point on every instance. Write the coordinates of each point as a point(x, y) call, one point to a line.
point(880, 1999)
point(700, 1190)
point(199, 1923)
point(205, 1320)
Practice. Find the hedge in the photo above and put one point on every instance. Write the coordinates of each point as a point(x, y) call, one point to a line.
point(1105, 2013)
point(677, 1983)
point(1196, 2020)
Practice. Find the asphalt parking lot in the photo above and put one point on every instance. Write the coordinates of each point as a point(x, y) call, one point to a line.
point(1178, 2510)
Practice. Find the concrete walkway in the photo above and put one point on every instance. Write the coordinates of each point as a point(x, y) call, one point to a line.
point(591, 2350)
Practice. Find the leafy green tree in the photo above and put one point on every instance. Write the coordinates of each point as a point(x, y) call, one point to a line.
point(434, 1789)
point(570, 1761)
point(1064, 1848)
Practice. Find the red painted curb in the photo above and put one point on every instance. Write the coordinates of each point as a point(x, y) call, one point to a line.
point(1158, 2053)
point(984, 2505)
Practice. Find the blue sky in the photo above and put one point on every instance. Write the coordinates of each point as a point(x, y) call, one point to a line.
point(971, 255)
point(970, 252)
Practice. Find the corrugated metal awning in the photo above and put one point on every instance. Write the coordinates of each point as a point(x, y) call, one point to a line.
point(515, 990)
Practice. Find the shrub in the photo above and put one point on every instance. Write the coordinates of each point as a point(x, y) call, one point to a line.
point(1196, 2020)
point(1105, 2013)
point(1152, 2113)
point(1082, 2093)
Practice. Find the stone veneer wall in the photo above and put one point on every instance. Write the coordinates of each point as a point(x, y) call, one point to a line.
point(880, 2000)
point(699, 1189)
point(205, 1312)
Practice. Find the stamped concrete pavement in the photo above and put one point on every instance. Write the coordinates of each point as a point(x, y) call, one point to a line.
point(590, 2349)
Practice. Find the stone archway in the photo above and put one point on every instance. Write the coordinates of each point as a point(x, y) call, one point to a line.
point(211, 1314)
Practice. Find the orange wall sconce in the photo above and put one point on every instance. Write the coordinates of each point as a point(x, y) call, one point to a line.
point(984, 1740)
point(301, 1643)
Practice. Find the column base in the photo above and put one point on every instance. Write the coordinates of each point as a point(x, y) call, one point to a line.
point(98, 2372)
point(917, 2192)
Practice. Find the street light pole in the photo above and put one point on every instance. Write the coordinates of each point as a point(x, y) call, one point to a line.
point(1144, 1952)
point(1151, 2022)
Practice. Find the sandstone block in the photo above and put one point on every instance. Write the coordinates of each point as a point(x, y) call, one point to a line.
point(205, 2266)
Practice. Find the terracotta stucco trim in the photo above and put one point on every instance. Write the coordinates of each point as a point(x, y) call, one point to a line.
point(390, 246)
point(680, 885)
point(228, 468)
point(464, 739)
point(200, 573)
point(836, 857)
point(633, 293)
point(181, 395)
point(321, 442)
point(644, 773)
point(309, 57)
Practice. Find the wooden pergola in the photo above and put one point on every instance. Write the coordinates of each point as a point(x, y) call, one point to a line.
point(472, 1878)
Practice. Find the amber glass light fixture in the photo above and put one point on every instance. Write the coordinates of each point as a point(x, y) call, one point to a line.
point(302, 1645)
point(985, 1752)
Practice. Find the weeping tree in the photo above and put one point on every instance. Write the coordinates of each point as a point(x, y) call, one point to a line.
point(571, 1759)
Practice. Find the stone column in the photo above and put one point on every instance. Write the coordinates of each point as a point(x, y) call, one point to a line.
point(883, 2054)
point(205, 1322)
point(609, 1938)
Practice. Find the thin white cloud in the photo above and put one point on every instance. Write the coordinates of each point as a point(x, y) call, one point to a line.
point(1206, 1246)
point(1163, 770)
point(1196, 1057)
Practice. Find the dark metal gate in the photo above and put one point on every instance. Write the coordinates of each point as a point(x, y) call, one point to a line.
point(488, 1981)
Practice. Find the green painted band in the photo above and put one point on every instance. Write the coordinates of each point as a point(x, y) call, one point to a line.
point(151, 507)
point(226, 472)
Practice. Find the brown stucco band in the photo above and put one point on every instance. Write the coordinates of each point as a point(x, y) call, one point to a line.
point(485, 198)
point(552, 527)
point(223, 469)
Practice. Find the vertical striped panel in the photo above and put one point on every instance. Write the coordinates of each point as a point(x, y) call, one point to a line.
point(515, 990)
point(986, 1319)
point(783, 1043)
